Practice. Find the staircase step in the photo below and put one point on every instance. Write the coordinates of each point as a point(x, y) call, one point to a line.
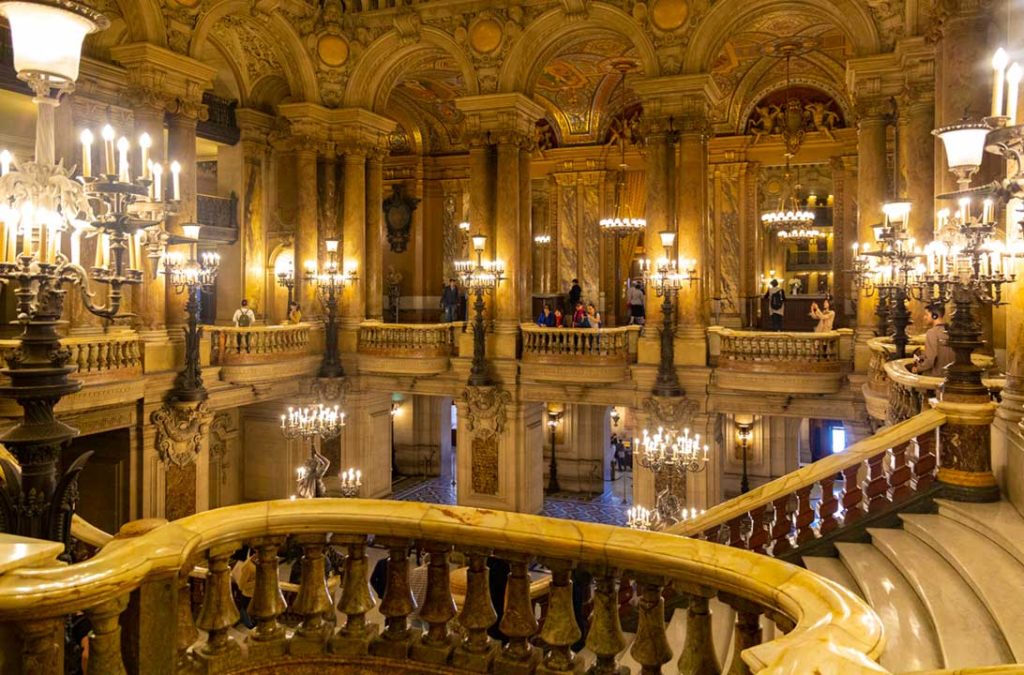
point(910, 640)
point(999, 521)
point(833, 569)
point(967, 633)
point(996, 577)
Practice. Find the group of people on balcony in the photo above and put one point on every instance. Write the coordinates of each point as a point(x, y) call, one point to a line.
point(582, 317)
point(776, 296)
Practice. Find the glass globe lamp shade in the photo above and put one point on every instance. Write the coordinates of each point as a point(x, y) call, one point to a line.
point(964, 143)
point(47, 37)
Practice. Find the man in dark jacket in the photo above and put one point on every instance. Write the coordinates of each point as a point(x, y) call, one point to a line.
point(575, 293)
point(450, 301)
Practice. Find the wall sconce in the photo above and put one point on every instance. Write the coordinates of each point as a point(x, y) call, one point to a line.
point(615, 417)
point(744, 434)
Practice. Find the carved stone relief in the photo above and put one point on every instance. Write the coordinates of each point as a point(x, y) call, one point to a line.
point(568, 230)
point(179, 432)
point(222, 429)
point(486, 418)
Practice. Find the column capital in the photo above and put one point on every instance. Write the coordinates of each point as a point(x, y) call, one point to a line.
point(500, 116)
point(873, 81)
point(354, 130)
point(160, 78)
point(679, 102)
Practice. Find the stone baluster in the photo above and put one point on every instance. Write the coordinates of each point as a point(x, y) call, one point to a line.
point(356, 600)
point(759, 529)
point(804, 515)
point(605, 638)
point(105, 637)
point(924, 463)
point(560, 631)
point(735, 527)
point(878, 485)
point(698, 655)
point(397, 604)
point(186, 633)
point(781, 526)
point(438, 608)
point(42, 646)
point(267, 640)
point(650, 647)
point(853, 496)
point(899, 478)
point(828, 507)
point(747, 632)
point(518, 622)
point(218, 613)
point(313, 599)
point(477, 650)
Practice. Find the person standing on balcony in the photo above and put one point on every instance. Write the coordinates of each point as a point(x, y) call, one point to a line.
point(825, 316)
point(579, 316)
point(575, 293)
point(776, 304)
point(937, 352)
point(593, 316)
point(244, 317)
point(635, 301)
point(546, 318)
point(559, 319)
point(294, 314)
point(450, 301)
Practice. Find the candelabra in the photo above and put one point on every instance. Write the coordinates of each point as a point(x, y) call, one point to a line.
point(191, 275)
point(671, 455)
point(892, 271)
point(330, 282)
point(312, 423)
point(350, 482)
point(286, 280)
point(479, 278)
point(640, 518)
point(553, 419)
point(667, 276)
point(41, 201)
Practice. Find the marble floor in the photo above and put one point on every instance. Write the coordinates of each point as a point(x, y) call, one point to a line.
point(606, 507)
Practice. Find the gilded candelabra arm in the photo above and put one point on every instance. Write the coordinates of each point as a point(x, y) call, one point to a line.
point(76, 274)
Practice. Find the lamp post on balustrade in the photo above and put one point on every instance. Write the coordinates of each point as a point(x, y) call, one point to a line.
point(667, 275)
point(553, 419)
point(330, 282)
point(191, 275)
point(479, 278)
point(286, 279)
point(744, 433)
point(42, 200)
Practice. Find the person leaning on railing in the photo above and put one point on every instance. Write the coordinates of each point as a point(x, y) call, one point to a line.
point(937, 353)
point(824, 314)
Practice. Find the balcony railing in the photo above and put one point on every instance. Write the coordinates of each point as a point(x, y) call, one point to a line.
point(822, 622)
point(397, 348)
point(878, 472)
point(99, 358)
point(232, 345)
point(766, 361)
point(606, 351)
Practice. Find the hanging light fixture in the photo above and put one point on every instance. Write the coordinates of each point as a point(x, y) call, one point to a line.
point(789, 221)
point(622, 222)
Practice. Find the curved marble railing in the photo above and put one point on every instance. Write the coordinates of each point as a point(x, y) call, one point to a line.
point(403, 348)
point(231, 345)
point(824, 624)
point(879, 471)
point(759, 350)
point(589, 346)
point(108, 356)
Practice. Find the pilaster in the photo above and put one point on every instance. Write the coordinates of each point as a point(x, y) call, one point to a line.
point(181, 442)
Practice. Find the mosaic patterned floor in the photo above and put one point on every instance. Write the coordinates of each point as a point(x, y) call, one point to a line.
point(607, 507)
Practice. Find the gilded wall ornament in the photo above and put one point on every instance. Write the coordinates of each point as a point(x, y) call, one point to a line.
point(670, 412)
point(398, 210)
point(486, 418)
point(179, 432)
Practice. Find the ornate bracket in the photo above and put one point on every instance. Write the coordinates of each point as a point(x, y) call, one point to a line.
point(670, 412)
point(179, 432)
point(486, 413)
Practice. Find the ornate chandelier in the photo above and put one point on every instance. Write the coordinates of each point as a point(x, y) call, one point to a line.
point(314, 422)
point(789, 221)
point(622, 222)
point(672, 452)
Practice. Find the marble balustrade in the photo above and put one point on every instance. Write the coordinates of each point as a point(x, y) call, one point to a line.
point(406, 339)
point(150, 562)
point(877, 472)
point(232, 345)
point(780, 352)
point(557, 346)
point(99, 358)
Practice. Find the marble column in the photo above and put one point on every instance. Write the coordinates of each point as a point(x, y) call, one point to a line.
point(353, 246)
point(691, 190)
point(373, 278)
point(149, 298)
point(254, 209)
point(526, 245)
point(657, 213)
point(481, 189)
point(508, 297)
point(181, 147)
point(306, 235)
point(872, 184)
point(917, 157)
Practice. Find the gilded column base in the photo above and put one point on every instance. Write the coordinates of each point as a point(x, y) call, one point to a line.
point(310, 643)
point(968, 486)
point(223, 659)
point(506, 666)
point(261, 650)
point(477, 662)
point(354, 645)
point(395, 649)
point(434, 654)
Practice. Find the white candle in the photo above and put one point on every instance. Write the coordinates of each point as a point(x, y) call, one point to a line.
point(122, 160)
point(132, 255)
point(158, 187)
point(999, 61)
point(86, 153)
point(108, 148)
point(145, 142)
point(27, 218)
point(1013, 77)
point(5, 162)
point(965, 204)
point(176, 181)
point(986, 211)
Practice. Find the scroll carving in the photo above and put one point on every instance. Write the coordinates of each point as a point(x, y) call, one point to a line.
point(486, 417)
point(180, 431)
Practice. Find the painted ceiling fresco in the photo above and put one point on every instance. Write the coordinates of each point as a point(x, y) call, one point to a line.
point(427, 93)
point(578, 84)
